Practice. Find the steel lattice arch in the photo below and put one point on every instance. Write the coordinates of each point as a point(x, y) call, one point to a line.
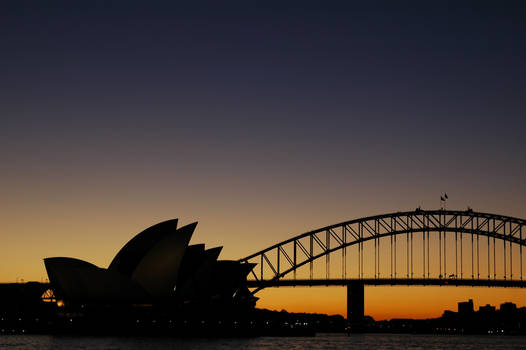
point(277, 265)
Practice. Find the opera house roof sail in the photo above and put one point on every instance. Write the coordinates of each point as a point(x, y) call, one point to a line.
point(156, 266)
point(131, 254)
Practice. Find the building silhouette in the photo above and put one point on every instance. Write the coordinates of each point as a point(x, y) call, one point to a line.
point(508, 307)
point(487, 309)
point(465, 307)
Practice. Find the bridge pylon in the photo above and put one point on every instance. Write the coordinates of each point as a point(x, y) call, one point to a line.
point(355, 303)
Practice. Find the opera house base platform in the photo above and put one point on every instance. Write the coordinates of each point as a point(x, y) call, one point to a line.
point(28, 315)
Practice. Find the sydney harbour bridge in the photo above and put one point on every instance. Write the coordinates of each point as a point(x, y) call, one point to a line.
point(421, 247)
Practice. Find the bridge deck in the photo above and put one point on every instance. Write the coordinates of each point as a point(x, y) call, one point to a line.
point(388, 282)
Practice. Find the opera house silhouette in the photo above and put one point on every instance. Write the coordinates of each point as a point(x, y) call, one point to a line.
point(156, 267)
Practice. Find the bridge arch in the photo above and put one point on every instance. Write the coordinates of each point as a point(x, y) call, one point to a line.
point(284, 258)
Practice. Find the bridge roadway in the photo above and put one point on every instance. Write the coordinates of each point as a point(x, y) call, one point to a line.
point(458, 282)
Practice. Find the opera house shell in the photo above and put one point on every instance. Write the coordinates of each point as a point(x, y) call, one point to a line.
point(157, 266)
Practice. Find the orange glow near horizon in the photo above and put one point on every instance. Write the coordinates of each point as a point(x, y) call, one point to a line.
point(63, 231)
point(384, 303)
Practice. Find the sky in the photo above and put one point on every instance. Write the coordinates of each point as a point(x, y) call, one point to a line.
point(260, 120)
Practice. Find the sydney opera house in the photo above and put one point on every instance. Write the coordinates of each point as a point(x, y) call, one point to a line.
point(156, 267)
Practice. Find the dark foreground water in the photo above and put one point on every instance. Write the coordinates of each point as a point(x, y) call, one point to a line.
point(321, 341)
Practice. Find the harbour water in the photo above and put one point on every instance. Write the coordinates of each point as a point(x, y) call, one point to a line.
point(320, 341)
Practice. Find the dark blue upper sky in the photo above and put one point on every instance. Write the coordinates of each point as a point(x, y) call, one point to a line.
point(303, 62)
point(408, 76)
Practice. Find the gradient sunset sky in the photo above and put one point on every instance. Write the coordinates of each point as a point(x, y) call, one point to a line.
point(258, 119)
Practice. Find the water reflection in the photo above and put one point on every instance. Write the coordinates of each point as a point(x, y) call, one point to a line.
point(321, 341)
